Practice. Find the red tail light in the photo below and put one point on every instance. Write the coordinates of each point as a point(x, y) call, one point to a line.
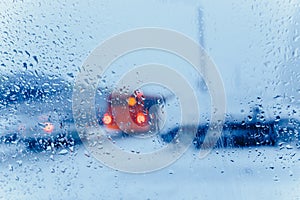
point(48, 127)
point(107, 119)
point(140, 118)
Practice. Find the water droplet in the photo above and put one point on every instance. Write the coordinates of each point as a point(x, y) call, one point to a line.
point(25, 65)
point(19, 162)
point(250, 118)
point(70, 75)
point(87, 154)
point(10, 168)
point(27, 53)
point(276, 178)
point(63, 152)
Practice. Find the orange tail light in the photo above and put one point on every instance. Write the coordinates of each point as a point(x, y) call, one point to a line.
point(140, 118)
point(107, 119)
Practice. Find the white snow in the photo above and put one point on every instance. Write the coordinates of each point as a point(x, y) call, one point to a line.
point(231, 173)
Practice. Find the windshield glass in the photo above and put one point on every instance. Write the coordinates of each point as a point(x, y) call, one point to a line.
point(128, 100)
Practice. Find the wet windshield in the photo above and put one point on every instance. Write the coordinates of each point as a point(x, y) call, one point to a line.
point(97, 96)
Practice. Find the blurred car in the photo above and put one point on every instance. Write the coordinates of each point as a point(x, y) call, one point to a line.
point(130, 113)
point(36, 111)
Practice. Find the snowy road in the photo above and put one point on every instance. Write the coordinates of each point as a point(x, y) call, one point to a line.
point(230, 173)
